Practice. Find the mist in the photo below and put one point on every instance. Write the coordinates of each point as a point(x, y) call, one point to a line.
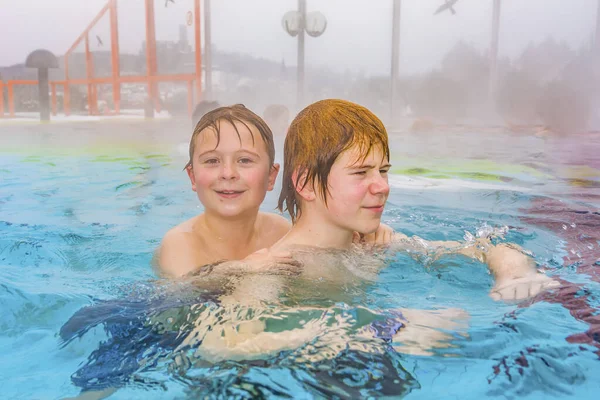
point(546, 55)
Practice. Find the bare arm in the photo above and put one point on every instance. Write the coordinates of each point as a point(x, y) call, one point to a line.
point(260, 262)
point(433, 249)
point(177, 255)
point(481, 249)
point(515, 271)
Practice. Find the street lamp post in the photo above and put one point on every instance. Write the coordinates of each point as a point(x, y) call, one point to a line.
point(597, 38)
point(494, 50)
point(208, 50)
point(395, 58)
point(297, 23)
point(300, 57)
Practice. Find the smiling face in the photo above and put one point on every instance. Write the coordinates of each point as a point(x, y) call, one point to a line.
point(357, 191)
point(231, 172)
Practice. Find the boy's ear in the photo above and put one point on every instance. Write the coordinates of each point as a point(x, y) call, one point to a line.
point(273, 176)
point(190, 172)
point(305, 189)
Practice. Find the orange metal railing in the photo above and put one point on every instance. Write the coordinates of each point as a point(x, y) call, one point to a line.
point(151, 79)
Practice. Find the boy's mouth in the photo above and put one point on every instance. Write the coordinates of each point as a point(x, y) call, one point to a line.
point(377, 209)
point(229, 193)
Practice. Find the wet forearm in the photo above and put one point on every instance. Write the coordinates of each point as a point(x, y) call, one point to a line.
point(436, 249)
point(508, 262)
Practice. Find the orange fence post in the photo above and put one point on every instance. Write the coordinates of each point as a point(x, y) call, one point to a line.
point(94, 87)
point(53, 91)
point(1, 99)
point(116, 67)
point(11, 92)
point(11, 100)
point(190, 97)
point(66, 88)
point(198, 49)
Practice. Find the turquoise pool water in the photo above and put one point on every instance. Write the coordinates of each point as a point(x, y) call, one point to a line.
point(79, 221)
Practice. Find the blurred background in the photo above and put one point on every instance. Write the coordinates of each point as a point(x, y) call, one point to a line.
point(519, 64)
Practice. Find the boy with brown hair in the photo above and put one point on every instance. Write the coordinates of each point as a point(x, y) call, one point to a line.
point(231, 168)
point(335, 183)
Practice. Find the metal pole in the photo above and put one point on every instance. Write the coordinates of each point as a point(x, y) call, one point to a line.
point(53, 98)
point(395, 59)
point(494, 50)
point(300, 69)
point(67, 89)
point(11, 100)
point(88, 69)
point(597, 39)
point(596, 50)
point(198, 50)
point(207, 50)
point(114, 50)
point(151, 54)
point(43, 94)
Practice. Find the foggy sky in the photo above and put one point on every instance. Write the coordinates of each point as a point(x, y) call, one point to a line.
point(357, 36)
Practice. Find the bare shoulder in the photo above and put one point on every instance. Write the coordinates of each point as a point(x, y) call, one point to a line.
point(180, 252)
point(274, 226)
point(275, 222)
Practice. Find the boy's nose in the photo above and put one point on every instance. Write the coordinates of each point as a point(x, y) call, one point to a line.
point(229, 171)
point(380, 185)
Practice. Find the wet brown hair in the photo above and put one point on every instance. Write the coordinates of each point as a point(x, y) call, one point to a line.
point(232, 114)
point(317, 137)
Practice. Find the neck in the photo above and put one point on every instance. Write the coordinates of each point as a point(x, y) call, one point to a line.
point(238, 231)
point(314, 230)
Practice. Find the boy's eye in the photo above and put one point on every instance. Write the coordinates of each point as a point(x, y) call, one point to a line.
point(360, 173)
point(211, 161)
point(384, 171)
point(246, 160)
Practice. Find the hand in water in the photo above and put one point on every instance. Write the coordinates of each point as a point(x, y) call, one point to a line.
point(516, 275)
point(522, 288)
point(381, 237)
